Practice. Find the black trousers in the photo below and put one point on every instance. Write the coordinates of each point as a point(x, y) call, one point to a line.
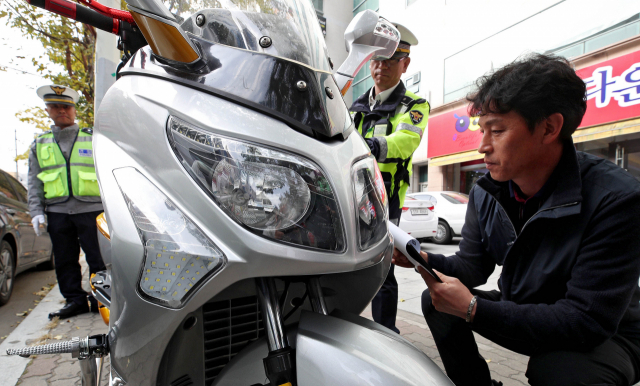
point(615, 362)
point(384, 306)
point(68, 233)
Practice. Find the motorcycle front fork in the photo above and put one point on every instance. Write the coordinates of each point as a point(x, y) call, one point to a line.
point(279, 365)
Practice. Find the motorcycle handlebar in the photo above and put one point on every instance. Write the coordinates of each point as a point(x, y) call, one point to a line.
point(110, 12)
point(79, 13)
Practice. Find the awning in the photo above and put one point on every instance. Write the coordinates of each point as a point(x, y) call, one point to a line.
point(455, 158)
point(583, 135)
point(608, 130)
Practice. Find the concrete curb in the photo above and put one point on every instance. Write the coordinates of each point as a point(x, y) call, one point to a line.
point(32, 327)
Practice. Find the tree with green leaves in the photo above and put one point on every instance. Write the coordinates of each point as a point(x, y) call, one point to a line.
point(69, 45)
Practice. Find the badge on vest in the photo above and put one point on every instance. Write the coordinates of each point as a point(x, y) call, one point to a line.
point(85, 152)
point(416, 116)
point(380, 130)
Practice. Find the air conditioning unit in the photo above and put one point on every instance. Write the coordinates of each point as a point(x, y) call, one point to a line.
point(413, 83)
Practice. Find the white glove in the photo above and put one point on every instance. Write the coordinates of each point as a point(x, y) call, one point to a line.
point(36, 221)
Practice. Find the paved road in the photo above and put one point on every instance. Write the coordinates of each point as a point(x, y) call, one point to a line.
point(23, 298)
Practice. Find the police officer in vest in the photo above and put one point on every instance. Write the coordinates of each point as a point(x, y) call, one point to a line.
point(62, 183)
point(392, 121)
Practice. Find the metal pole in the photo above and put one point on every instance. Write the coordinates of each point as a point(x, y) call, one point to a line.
point(268, 297)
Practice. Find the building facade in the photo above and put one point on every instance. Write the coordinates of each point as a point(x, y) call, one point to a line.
point(461, 41)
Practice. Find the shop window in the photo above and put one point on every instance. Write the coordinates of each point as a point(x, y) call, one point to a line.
point(362, 82)
point(423, 178)
point(609, 36)
point(470, 173)
point(424, 173)
point(361, 5)
point(571, 52)
point(624, 151)
point(319, 6)
point(449, 177)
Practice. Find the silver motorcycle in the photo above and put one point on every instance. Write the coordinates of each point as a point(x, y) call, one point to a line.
point(245, 225)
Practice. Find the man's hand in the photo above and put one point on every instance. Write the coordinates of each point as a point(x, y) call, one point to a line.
point(36, 221)
point(450, 296)
point(374, 146)
point(401, 260)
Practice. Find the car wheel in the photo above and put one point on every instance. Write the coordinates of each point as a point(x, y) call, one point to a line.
point(443, 233)
point(47, 265)
point(7, 272)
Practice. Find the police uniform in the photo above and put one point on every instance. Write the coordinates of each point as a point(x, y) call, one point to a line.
point(63, 184)
point(392, 124)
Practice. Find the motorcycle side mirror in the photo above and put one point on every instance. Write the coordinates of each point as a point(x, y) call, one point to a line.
point(368, 36)
point(162, 31)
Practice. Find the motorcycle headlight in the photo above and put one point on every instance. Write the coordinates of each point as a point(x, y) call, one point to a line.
point(178, 256)
point(371, 202)
point(272, 193)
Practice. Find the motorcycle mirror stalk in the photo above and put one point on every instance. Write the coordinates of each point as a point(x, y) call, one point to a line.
point(367, 36)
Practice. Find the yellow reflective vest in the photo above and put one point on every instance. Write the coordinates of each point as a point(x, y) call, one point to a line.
point(398, 124)
point(63, 178)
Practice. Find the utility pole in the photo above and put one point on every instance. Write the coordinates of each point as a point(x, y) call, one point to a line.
point(15, 142)
point(107, 59)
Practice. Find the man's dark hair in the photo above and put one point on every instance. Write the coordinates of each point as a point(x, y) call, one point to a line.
point(535, 87)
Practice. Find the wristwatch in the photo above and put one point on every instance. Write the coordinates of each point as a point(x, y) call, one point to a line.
point(471, 304)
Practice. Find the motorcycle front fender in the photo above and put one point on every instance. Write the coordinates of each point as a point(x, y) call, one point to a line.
point(341, 349)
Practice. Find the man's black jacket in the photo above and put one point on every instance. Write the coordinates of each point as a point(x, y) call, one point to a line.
point(570, 278)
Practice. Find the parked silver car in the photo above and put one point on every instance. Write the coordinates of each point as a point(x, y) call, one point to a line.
point(20, 248)
point(450, 207)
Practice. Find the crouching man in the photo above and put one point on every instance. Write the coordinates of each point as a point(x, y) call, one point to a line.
point(563, 225)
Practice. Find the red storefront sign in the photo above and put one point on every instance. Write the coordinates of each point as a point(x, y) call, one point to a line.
point(613, 94)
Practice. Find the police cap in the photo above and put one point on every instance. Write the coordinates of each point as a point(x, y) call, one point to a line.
point(58, 94)
point(407, 39)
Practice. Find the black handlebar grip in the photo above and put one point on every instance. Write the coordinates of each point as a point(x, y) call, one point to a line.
point(79, 13)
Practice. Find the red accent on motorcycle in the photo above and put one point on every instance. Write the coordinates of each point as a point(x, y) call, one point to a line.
point(61, 7)
point(116, 26)
point(111, 12)
point(382, 191)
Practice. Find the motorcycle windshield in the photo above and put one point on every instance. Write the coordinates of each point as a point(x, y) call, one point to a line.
point(288, 29)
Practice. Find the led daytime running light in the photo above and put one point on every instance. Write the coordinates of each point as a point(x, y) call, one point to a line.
point(178, 256)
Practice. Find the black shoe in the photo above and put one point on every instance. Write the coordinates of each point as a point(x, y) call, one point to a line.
point(495, 383)
point(69, 310)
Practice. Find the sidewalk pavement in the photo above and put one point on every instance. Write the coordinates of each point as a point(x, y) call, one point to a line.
point(45, 370)
point(506, 366)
